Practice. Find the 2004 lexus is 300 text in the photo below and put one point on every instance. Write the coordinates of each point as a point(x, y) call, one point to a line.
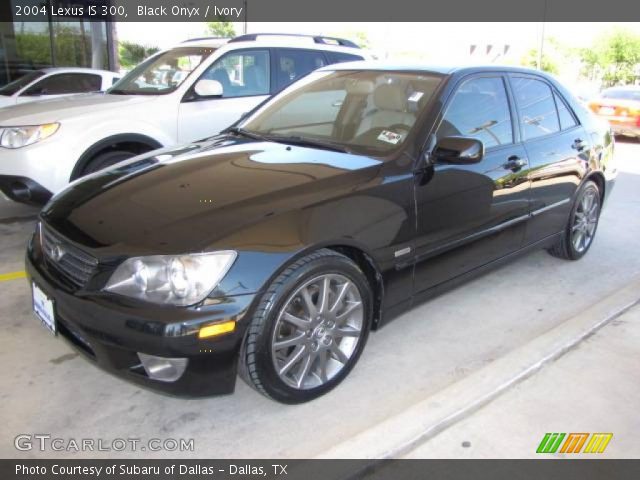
point(273, 249)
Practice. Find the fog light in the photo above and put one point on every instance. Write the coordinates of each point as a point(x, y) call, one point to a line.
point(217, 329)
point(163, 369)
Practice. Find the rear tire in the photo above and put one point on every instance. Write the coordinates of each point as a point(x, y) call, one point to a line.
point(309, 328)
point(582, 225)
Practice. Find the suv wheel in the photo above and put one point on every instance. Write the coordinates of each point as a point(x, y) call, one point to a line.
point(309, 328)
point(106, 159)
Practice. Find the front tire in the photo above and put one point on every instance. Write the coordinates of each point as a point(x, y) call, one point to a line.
point(309, 328)
point(106, 159)
point(583, 223)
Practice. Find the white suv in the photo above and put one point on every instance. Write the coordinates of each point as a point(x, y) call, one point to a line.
point(179, 95)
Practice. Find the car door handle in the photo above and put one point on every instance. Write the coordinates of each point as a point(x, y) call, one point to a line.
point(579, 144)
point(514, 163)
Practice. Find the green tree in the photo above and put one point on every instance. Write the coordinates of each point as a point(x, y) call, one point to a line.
point(131, 54)
point(614, 56)
point(554, 54)
point(221, 29)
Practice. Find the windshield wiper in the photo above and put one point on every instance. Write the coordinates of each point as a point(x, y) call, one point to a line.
point(245, 133)
point(309, 142)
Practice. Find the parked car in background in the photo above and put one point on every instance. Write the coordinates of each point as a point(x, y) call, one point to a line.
point(179, 95)
point(275, 247)
point(620, 106)
point(50, 83)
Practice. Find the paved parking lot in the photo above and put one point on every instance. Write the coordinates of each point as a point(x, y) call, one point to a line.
point(46, 388)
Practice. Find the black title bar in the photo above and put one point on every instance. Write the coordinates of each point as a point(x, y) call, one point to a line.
point(552, 469)
point(321, 10)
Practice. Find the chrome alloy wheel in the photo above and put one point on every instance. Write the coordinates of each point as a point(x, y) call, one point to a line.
point(317, 331)
point(585, 220)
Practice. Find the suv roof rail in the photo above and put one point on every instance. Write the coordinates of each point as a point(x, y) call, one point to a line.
point(316, 38)
point(200, 39)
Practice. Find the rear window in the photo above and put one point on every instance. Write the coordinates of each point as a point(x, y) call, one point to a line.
point(20, 83)
point(339, 57)
point(622, 94)
point(66, 83)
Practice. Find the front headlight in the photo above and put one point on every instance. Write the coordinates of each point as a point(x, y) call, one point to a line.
point(17, 137)
point(171, 279)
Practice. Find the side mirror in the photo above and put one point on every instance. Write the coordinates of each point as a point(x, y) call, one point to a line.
point(208, 88)
point(458, 151)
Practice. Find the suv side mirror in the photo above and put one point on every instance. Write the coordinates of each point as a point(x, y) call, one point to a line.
point(458, 151)
point(208, 88)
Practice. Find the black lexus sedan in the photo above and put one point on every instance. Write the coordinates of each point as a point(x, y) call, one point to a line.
point(273, 249)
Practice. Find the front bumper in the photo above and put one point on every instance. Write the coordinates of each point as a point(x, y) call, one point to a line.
point(45, 167)
point(109, 332)
point(24, 190)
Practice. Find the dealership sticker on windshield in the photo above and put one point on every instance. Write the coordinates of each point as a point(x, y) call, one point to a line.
point(389, 137)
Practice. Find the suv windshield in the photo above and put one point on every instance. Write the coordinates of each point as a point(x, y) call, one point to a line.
point(366, 111)
point(20, 83)
point(162, 73)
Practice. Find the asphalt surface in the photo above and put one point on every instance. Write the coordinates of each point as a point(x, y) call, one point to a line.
point(46, 388)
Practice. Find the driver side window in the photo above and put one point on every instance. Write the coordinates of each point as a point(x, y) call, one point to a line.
point(241, 74)
point(479, 109)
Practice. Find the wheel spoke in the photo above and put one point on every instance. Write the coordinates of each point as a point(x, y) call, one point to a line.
point(341, 295)
point(346, 332)
point(308, 302)
point(289, 342)
point(305, 368)
point(323, 359)
point(577, 240)
point(339, 354)
point(297, 354)
point(302, 324)
point(351, 307)
point(323, 295)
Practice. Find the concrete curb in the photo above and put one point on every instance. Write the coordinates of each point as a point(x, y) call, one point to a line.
point(402, 433)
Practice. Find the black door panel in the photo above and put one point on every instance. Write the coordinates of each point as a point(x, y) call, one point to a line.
point(470, 215)
point(556, 172)
point(555, 145)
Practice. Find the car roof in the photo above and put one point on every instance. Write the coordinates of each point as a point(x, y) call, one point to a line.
point(427, 68)
point(275, 40)
point(77, 70)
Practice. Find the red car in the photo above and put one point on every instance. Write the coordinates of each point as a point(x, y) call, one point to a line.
point(621, 107)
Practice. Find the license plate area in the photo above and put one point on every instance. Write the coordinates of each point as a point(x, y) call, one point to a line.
point(43, 308)
point(609, 111)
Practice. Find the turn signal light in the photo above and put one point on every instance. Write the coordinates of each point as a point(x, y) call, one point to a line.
point(217, 329)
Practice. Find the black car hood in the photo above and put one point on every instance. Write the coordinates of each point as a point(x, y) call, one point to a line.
point(189, 198)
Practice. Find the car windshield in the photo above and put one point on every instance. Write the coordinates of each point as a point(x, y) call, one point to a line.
point(163, 73)
point(20, 83)
point(622, 94)
point(365, 111)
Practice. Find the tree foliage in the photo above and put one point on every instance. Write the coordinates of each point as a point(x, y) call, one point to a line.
point(221, 29)
point(554, 54)
point(131, 54)
point(615, 56)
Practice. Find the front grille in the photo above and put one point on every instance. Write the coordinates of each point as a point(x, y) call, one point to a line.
point(74, 264)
